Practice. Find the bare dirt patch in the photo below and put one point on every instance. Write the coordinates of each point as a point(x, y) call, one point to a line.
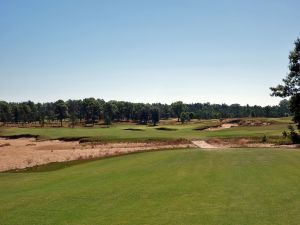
point(28, 152)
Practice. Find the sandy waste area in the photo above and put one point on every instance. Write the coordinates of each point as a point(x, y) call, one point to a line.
point(28, 152)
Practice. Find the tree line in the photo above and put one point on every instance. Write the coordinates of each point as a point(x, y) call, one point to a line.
point(90, 111)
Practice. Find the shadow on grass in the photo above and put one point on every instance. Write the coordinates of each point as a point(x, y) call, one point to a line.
point(134, 129)
point(166, 129)
point(17, 136)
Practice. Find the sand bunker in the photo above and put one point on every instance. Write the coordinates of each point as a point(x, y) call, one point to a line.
point(204, 144)
point(215, 144)
point(223, 126)
point(27, 152)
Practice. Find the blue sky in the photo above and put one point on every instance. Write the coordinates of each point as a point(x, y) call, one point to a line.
point(146, 51)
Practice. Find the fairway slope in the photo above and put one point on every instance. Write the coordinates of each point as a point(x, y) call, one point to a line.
point(249, 187)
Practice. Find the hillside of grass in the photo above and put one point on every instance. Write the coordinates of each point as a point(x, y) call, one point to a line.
point(249, 187)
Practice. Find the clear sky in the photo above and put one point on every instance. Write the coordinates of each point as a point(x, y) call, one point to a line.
point(146, 50)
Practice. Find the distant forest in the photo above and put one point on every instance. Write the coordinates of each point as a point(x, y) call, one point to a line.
point(90, 111)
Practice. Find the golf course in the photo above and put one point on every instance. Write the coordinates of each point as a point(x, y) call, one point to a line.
point(223, 185)
point(149, 112)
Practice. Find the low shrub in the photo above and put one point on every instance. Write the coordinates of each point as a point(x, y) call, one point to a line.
point(264, 139)
point(293, 135)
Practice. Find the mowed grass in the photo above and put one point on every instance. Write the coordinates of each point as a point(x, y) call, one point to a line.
point(129, 132)
point(242, 186)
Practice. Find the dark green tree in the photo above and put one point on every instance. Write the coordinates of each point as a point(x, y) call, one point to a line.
point(41, 111)
point(74, 111)
point(33, 115)
point(91, 109)
point(101, 103)
point(61, 111)
point(24, 112)
point(283, 109)
point(191, 115)
point(128, 111)
point(291, 84)
point(5, 114)
point(109, 111)
point(50, 111)
point(155, 115)
point(144, 114)
point(268, 111)
point(136, 111)
point(184, 117)
point(178, 108)
point(15, 112)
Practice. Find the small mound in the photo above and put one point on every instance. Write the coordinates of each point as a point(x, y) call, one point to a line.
point(166, 129)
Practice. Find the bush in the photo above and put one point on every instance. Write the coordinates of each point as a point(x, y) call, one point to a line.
point(293, 135)
point(284, 134)
point(264, 139)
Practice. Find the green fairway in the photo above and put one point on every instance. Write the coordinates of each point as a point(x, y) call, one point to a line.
point(244, 186)
point(140, 132)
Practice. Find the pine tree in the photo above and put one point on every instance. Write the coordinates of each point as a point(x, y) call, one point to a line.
point(291, 84)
